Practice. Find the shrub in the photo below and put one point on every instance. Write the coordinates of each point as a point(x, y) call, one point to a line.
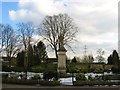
point(79, 83)
point(93, 78)
point(50, 74)
point(64, 75)
point(80, 76)
point(98, 77)
point(112, 77)
point(36, 77)
point(17, 69)
point(50, 83)
point(30, 82)
point(17, 81)
point(6, 68)
point(115, 69)
point(90, 77)
point(91, 83)
point(98, 70)
point(37, 69)
point(4, 75)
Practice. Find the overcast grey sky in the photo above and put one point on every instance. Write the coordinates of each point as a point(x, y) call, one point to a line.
point(97, 21)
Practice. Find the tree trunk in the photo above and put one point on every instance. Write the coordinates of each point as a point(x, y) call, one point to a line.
point(25, 65)
point(56, 53)
point(9, 59)
point(25, 74)
point(9, 64)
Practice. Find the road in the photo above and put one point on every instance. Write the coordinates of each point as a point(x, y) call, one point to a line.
point(37, 87)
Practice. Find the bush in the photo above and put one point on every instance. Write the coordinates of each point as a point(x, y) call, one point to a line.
point(37, 69)
point(5, 76)
point(93, 78)
point(115, 69)
point(98, 77)
point(90, 83)
point(50, 74)
point(112, 77)
point(17, 81)
point(90, 78)
point(30, 82)
point(17, 69)
point(65, 75)
point(36, 77)
point(79, 83)
point(80, 76)
point(98, 70)
point(9, 69)
point(50, 83)
point(71, 68)
point(6, 68)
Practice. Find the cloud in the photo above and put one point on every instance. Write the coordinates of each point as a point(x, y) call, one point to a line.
point(12, 15)
point(35, 11)
point(96, 19)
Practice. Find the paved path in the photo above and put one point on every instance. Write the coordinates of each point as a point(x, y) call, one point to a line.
point(37, 87)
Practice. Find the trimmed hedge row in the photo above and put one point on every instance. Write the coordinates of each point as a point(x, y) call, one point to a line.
point(17, 81)
point(30, 82)
point(49, 83)
point(112, 77)
point(92, 83)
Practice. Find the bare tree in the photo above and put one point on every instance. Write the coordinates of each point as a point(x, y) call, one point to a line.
point(100, 55)
point(26, 31)
point(1, 30)
point(58, 29)
point(9, 42)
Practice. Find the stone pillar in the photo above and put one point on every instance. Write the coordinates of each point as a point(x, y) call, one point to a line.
point(62, 61)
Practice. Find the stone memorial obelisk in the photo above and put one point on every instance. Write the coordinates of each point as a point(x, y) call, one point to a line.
point(61, 58)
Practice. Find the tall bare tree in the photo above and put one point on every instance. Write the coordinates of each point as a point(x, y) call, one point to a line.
point(26, 31)
point(1, 31)
point(9, 42)
point(58, 29)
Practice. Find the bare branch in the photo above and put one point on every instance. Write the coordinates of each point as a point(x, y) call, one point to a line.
point(26, 31)
point(58, 29)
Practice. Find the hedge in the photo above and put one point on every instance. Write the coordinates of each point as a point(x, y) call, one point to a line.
point(92, 83)
point(30, 82)
point(80, 76)
point(49, 83)
point(112, 77)
point(18, 81)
